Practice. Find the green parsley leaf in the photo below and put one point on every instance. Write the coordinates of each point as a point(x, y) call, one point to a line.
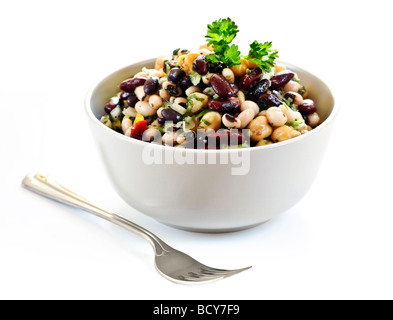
point(262, 55)
point(219, 35)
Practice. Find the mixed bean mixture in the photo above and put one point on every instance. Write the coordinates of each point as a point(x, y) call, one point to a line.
point(191, 100)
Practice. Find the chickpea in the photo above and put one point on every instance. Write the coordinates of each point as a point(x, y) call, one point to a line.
point(262, 113)
point(248, 104)
point(313, 119)
point(279, 67)
point(292, 86)
point(284, 133)
point(155, 101)
point(260, 128)
point(263, 142)
point(159, 63)
point(198, 101)
point(241, 69)
point(230, 121)
point(144, 108)
point(228, 75)
point(211, 120)
point(188, 61)
point(276, 117)
point(245, 117)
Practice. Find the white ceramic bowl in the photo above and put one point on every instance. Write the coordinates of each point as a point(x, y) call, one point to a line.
point(209, 197)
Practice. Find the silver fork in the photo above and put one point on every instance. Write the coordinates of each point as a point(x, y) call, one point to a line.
point(170, 263)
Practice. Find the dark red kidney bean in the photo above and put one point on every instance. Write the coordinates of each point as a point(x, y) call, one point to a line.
point(259, 89)
point(112, 103)
point(175, 75)
point(151, 86)
point(185, 83)
point(171, 115)
point(132, 99)
point(251, 78)
point(235, 88)
point(221, 86)
point(217, 67)
point(231, 105)
point(129, 85)
point(307, 107)
point(200, 65)
point(267, 100)
point(281, 79)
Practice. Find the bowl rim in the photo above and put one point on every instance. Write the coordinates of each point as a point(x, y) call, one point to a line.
point(97, 122)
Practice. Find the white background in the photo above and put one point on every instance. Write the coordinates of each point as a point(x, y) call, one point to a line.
point(335, 244)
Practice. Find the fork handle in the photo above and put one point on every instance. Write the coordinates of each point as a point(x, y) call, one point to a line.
point(50, 188)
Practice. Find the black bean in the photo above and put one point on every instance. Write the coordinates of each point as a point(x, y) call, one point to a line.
point(217, 67)
point(185, 82)
point(175, 75)
point(200, 65)
point(171, 115)
point(151, 86)
point(132, 100)
point(259, 89)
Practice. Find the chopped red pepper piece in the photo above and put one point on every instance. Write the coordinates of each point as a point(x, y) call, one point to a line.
point(139, 128)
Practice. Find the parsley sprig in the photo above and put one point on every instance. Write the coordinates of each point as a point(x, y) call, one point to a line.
point(221, 33)
point(262, 55)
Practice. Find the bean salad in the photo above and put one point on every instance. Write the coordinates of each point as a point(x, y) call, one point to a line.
point(213, 97)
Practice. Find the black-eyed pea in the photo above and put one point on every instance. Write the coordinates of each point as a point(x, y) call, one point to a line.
point(276, 117)
point(230, 121)
point(192, 89)
point(259, 128)
point(248, 104)
point(169, 138)
point(164, 94)
point(140, 93)
point(228, 75)
point(126, 123)
point(241, 96)
point(283, 133)
point(313, 119)
point(155, 101)
point(263, 142)
point(181, 101)
point(289, 113)
point(144, 108)
point(295, 97)
point(245, 117)
point(292, 86)
point(197, 101)
point(206, 78)
point(151, 134)
point(210, 121)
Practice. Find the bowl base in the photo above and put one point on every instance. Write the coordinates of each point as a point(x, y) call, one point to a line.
point(213, 230)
